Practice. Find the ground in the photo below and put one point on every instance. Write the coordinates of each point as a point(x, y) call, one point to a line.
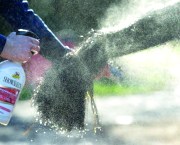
point(146, 119)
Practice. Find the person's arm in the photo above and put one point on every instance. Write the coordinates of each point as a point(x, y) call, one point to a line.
point(18, 14)
point(2, 42)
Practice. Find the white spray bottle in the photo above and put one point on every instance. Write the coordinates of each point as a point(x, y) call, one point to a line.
point(12, 80)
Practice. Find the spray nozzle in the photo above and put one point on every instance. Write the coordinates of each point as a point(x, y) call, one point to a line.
point(26, 33)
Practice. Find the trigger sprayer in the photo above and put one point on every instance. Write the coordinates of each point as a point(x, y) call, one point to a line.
point(12, 80)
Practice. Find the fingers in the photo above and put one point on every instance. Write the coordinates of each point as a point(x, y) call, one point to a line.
point(29, 47)
point(25, 56)
point(22, 58)
point(35, 44)
point(34, 49)
point(30, 43)
point(34, 41)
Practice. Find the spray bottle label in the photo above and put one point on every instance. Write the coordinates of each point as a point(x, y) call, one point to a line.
point(8, 97)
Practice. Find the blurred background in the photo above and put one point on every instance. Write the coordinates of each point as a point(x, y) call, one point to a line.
point(137, 95)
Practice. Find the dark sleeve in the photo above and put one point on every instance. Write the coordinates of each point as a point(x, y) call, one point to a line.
point(19, 16)
point(2, 42)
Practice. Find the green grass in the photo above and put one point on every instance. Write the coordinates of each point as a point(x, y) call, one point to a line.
point(108, 87)
point(26, 94)
point(107, 90)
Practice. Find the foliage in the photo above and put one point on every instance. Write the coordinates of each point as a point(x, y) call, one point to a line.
point(78, 15)
point(5, 27)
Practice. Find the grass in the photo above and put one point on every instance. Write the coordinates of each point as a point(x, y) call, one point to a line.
point(26, 94)
point(107, 87)
point(107, 90)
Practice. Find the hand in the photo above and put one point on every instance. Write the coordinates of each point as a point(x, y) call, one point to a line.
point(19, 48)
